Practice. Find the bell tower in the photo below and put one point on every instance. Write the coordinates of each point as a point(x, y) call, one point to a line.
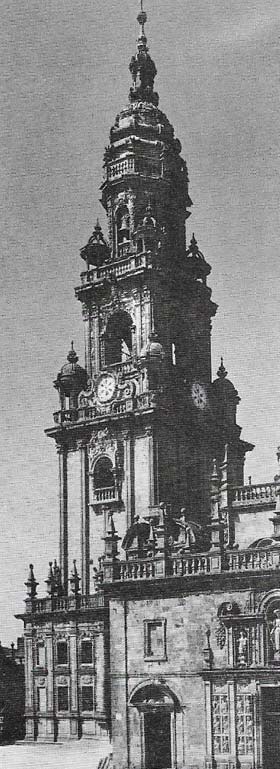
point(143, 420)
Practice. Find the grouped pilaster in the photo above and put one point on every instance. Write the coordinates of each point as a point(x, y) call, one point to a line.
point(63, 514)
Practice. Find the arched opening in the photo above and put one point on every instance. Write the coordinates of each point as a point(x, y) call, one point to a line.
point(118, 338)
point(123, 228)
point(103, 476)
point(157, 706)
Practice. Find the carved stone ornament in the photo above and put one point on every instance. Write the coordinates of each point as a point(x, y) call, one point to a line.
point(102, 442)
point(41, 682)
point(221, 635)
point(98, 627)
point(62, 681)
point(86, 680)
point(86, 635)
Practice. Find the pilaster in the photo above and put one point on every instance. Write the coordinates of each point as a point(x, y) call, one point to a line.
point(129, 478)
point(74, 692)
point(151, 466)
point(100, 689)
point(63, 505)
point(94, 342)
point(51, 726)
point(29, 687)
point(84, 519)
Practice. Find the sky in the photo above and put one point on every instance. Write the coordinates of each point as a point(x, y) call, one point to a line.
point(63, 78)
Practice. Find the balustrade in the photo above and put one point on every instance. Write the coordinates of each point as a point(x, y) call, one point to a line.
point(132, 570)
point(66, 603)
point(127, 262)
point(255, 494)
point(191, 564)
point(252, 560)
point(198, 564)
point(105, 494)
point(121, 168)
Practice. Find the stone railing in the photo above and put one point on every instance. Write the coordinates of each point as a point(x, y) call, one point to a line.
point(65, 603)
point(120, 168)
point(65, 416)
point(261, 559)
point(140, 569)
point(123, 368)
point(255, 494)
point(193, 565)
point(104, 495)
point(130, 263)
point(181, 566)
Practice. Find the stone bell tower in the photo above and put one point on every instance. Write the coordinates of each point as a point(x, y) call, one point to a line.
point(137, 428)
point(139, 425)
point(144, 419)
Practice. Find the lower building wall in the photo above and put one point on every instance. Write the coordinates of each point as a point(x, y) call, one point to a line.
point(66, 680)
point(187, 690)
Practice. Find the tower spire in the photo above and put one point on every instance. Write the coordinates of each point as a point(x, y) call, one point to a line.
point(142, 67)
point(142, 18)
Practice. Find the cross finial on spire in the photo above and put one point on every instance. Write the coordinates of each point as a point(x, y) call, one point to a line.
point(142, 67)
point(142, 18)
point(222, 373)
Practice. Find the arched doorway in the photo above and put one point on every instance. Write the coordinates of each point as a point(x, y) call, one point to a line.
point(157, 706)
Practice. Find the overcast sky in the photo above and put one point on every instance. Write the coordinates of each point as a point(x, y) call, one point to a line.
point(64, 76)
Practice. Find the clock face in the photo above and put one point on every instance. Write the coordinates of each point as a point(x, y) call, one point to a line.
point(106, 388)
point(199, 396)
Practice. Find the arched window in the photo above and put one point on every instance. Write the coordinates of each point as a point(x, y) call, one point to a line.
point(118, 338)
point(123, 225)
point(103, 475)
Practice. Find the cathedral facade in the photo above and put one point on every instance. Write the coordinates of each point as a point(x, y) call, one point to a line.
point(161, 626)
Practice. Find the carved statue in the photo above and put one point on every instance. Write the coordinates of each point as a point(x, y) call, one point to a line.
point(242, 647)
point(275, 633)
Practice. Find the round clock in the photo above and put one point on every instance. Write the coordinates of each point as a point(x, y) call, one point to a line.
point(106, 387)
point(199, 395)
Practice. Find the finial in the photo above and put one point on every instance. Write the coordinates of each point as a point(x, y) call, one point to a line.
point(74, 579)
point(214, 476)
point(31, 583)
point(142, 68)
point(142, 18)
point(222, 373)
point(50, 580)
point(72, 355)
point(111, 525)
point(194, 246)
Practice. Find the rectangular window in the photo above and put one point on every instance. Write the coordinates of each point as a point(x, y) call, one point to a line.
point(220, 723)
point(87, 698)
point(86, 653)
point(61, 653)
point(62, 698)
point(41, 700)
point(155, 639)
point(244, 724)
point(40, 655)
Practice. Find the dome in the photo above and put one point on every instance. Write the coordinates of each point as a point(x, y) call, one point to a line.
point(96, 252)
point(71, 377)
point(223, 387)
point(142, 141)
